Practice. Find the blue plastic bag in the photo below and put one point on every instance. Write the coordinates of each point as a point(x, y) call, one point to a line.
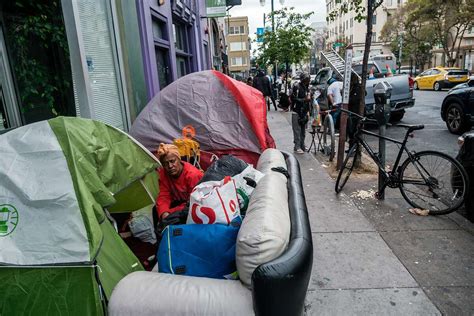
point(199, 250)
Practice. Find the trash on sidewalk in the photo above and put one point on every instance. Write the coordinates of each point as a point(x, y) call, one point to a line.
point(419, 212)
point(363, 194)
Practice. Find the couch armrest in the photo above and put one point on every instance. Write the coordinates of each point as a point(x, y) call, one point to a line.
point(148, 293)
point(279, 286)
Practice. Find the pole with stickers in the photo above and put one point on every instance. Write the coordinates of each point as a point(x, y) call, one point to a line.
point(345, 102)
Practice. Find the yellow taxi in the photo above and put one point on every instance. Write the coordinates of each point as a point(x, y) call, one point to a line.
point(439, 78)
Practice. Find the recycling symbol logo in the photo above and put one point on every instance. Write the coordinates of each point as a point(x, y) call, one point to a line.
point(8, 219)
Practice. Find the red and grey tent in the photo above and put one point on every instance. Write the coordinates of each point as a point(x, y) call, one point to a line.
point(229, 117)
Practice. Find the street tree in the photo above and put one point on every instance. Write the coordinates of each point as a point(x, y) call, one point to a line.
point(448, 19)
point(290, 42)
point(362, 11)
point(415, 38)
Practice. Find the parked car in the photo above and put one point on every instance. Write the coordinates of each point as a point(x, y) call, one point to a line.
point(439, 78)
point(466, 158)
point(406, 70)
point(465, 84)
point(457, 109)
point(402, 91)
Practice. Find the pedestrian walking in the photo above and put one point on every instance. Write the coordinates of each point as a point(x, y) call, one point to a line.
point(301, 101)
point(262, 83)
point(284, 94)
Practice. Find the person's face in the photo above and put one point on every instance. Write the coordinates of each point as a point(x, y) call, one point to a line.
point(172, 165)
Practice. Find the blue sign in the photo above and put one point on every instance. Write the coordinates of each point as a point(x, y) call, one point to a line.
point(260, 31)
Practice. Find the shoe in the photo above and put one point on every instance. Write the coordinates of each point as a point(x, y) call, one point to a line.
point(299, 151)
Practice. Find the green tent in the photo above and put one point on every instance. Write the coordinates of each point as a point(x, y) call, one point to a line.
point(60, 254)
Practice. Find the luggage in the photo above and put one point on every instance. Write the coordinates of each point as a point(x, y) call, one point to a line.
point(199, 250)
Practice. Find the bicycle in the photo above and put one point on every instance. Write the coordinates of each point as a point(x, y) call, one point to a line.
point(325, 133)
point(429, 180)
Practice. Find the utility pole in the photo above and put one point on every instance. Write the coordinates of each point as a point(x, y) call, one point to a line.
point(275, 64)
point(400, 46)
point(262, 3)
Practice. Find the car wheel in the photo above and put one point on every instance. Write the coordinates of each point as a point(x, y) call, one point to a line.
point(396, 116)
point(415, 86)
point(455, 120)
point(437, 86)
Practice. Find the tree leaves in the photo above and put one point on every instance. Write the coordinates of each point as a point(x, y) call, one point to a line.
point(449, 20)
point(291, 40)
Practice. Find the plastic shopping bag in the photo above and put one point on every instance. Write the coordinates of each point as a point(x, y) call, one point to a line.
point(142, 228)
point(214, 202)
point(245, 182)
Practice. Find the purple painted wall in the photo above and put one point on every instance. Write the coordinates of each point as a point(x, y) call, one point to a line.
point(190, 11)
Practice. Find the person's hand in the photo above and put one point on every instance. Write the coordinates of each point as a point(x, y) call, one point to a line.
point(164, 215)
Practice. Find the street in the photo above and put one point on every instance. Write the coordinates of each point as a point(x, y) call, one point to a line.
point(435, 135)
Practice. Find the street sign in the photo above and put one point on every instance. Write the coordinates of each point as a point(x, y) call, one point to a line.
point(260, 32)
point(347, 76)
point(337, 44)
point(215, 8)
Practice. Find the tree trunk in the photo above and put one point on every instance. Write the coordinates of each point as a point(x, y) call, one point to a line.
point(368, 42)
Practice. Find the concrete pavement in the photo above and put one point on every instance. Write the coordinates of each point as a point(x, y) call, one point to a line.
point(375, 258)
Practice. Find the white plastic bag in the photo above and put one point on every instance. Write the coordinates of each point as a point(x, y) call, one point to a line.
point(214, 202)
point(244, 189)
point(142, 227)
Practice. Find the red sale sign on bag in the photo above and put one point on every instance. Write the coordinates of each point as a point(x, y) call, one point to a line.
point(214, 202)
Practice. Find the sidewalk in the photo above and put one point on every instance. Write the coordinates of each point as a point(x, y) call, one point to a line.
point(373, 257)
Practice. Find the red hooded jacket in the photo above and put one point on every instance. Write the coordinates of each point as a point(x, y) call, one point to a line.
point(176, 191)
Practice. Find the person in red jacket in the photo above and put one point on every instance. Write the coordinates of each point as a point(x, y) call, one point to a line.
point(177, 180)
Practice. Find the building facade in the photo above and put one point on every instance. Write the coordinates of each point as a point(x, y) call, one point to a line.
point(465, 58)
point(171, 39)
point(238, 46)
point(345, 29)
point(217, 38)
point(318, 40)
point(95, 59)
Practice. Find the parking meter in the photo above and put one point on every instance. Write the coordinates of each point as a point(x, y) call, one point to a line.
point(382, 95)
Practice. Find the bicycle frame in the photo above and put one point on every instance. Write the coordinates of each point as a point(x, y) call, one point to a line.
point(389, 177)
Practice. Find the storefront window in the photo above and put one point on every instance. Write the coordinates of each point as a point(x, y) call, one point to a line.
point(159, 29)
point(182, 39)
point(36, 40)
point(162, 64)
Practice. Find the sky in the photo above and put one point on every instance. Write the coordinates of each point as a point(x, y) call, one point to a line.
point(255, 11)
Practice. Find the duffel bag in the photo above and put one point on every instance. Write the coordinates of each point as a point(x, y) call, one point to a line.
point(199, 250)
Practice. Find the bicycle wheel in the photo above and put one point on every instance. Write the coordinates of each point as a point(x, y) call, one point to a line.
point(346, 168)
point(433, 181)
point(329, 139)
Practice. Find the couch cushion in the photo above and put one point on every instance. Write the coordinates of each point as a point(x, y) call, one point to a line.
point(147, 293)
point(270, 158)
point(265, 230)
